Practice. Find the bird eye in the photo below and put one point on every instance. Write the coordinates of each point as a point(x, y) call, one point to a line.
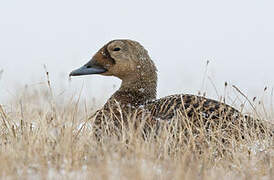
point(116, 49)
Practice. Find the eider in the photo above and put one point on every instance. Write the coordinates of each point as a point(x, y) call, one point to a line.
point(129, 61)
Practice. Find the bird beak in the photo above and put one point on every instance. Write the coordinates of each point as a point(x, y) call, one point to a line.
point(92, 67)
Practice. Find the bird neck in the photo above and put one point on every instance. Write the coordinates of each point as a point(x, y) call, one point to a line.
point(137, 89)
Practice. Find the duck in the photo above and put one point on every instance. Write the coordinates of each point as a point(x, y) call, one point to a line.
point(129, 61)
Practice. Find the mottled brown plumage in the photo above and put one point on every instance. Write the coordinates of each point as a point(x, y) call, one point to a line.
point(129, 61)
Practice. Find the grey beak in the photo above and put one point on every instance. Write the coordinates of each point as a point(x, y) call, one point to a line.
point(90, 68)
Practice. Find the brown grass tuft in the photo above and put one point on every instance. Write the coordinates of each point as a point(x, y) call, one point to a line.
point(42, 137)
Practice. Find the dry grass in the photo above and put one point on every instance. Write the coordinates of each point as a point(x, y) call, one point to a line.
point(44, 137)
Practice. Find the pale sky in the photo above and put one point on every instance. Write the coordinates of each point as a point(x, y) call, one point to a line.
point(237, 36)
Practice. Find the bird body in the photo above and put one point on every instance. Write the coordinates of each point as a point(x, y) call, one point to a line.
point(129, 61)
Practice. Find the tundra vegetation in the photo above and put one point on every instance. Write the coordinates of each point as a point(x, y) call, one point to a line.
point(45, 135)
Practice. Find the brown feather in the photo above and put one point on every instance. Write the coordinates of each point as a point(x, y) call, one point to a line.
point(137, 93)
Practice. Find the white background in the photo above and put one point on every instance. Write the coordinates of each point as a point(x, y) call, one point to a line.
point(237, 36)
